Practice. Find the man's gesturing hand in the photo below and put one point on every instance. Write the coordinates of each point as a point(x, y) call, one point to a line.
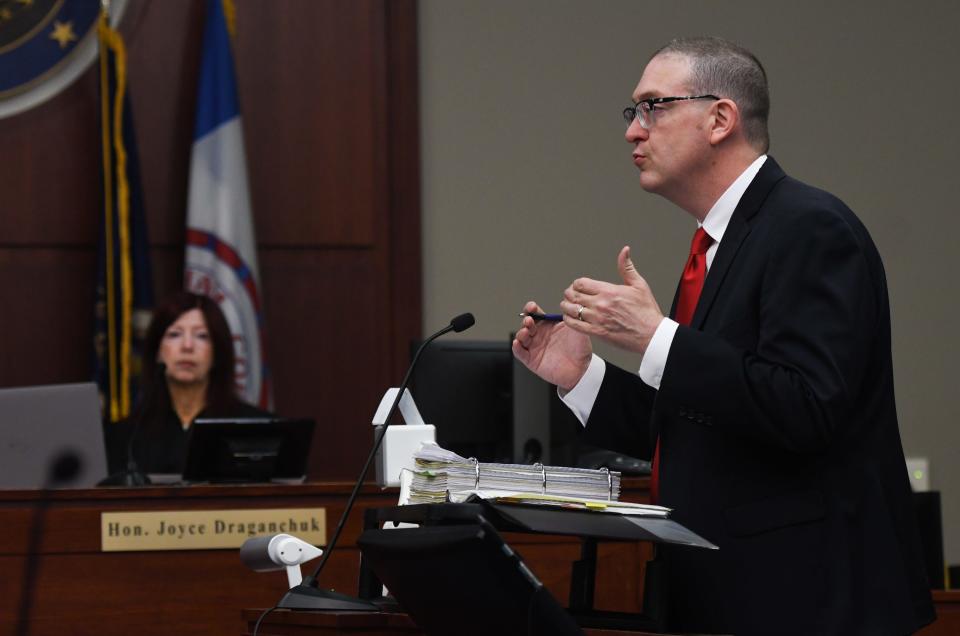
point(624, 315)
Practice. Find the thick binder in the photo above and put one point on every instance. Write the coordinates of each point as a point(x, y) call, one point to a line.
point(589, 526)
point(439, 471)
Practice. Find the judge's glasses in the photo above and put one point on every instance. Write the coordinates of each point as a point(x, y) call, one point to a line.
point(644, 109)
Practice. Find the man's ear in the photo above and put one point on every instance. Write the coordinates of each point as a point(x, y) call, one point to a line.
point(725, 120)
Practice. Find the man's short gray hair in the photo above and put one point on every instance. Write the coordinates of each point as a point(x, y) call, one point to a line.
point(722, 68)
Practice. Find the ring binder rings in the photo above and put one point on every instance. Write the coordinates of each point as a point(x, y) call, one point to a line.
point(438, 471)
point(543, 476)
point(476, 466)
point(609, 483)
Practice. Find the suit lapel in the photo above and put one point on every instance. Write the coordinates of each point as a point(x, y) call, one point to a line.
point(733, 236)
point(737, 230)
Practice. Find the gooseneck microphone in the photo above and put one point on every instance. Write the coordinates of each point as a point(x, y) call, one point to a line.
point(62, 469)
point(132, 475)
point(307, 595)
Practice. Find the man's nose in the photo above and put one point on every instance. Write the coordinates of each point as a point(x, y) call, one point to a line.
point(636, 132)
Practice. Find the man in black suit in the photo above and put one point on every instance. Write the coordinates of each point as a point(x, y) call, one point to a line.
point(766, 400)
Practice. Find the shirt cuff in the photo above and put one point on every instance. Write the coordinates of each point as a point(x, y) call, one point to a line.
point(581, 397)
point(655, 359)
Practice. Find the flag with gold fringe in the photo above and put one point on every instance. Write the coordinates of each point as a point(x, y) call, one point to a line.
point(124, 292)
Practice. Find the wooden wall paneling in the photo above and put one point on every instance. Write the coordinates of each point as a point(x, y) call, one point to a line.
point(50, 182)
point(167, 264)
point(46, 296)
point(385, 242)
point(305, 71)
point(403, 124)
point(326, 341)
point(163, 48)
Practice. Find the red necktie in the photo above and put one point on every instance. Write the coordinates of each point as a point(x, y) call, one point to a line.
point(691, 284)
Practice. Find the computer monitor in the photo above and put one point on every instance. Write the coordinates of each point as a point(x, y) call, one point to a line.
point(486, 405)
point(464, 388)
point(247, 449)
point(544, 428)
point(40, 424)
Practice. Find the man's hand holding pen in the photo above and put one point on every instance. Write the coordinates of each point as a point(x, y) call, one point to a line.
point(557, 346)
point(551, 349)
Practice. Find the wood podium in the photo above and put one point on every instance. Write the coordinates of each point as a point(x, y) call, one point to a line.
point(286, 623)
point(79, 589)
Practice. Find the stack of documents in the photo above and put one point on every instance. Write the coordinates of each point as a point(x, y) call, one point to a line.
point(442, 475)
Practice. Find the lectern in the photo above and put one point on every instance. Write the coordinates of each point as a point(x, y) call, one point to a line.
point(457, 555)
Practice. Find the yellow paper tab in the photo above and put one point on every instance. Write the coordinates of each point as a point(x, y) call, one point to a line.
point(206, 529)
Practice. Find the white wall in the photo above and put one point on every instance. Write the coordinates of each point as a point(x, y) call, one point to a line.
point(528, 183)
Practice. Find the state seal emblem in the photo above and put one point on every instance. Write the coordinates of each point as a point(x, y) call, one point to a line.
point(44, 46)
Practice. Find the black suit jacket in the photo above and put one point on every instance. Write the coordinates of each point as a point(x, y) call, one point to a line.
point(778, 430)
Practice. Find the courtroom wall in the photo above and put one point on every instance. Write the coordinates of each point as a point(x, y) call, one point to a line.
point(528, 182)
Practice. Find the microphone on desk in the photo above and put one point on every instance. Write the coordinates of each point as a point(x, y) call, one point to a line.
point(132, 475)
point(62, 469)
point(307, 595)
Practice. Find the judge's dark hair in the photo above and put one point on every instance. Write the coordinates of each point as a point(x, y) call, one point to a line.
point(221, 388)
point(725, 69)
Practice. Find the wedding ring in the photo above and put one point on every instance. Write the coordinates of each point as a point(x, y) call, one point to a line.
point(580, 312)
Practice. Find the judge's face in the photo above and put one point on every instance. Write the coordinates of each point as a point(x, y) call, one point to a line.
point(186, 349)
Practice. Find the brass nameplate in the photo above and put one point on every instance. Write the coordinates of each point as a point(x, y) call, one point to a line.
point(206, 529)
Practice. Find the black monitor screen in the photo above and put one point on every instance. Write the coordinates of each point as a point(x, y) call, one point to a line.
point(247, 449)
point(464, 388)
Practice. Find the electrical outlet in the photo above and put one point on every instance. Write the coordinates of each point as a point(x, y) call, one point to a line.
point(919, 470)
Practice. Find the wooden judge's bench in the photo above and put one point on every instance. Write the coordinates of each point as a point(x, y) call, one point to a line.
point(71, 585)
point(77, 588)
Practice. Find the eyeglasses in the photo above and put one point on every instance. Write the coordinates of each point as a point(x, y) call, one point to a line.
point(644, 109)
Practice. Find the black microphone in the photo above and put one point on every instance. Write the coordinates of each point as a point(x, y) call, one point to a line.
point(132, 475)
point(62, 469)
point(458, 324)
point(307, 595)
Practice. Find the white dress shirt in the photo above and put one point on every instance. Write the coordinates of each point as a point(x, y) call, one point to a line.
point(580, 398)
